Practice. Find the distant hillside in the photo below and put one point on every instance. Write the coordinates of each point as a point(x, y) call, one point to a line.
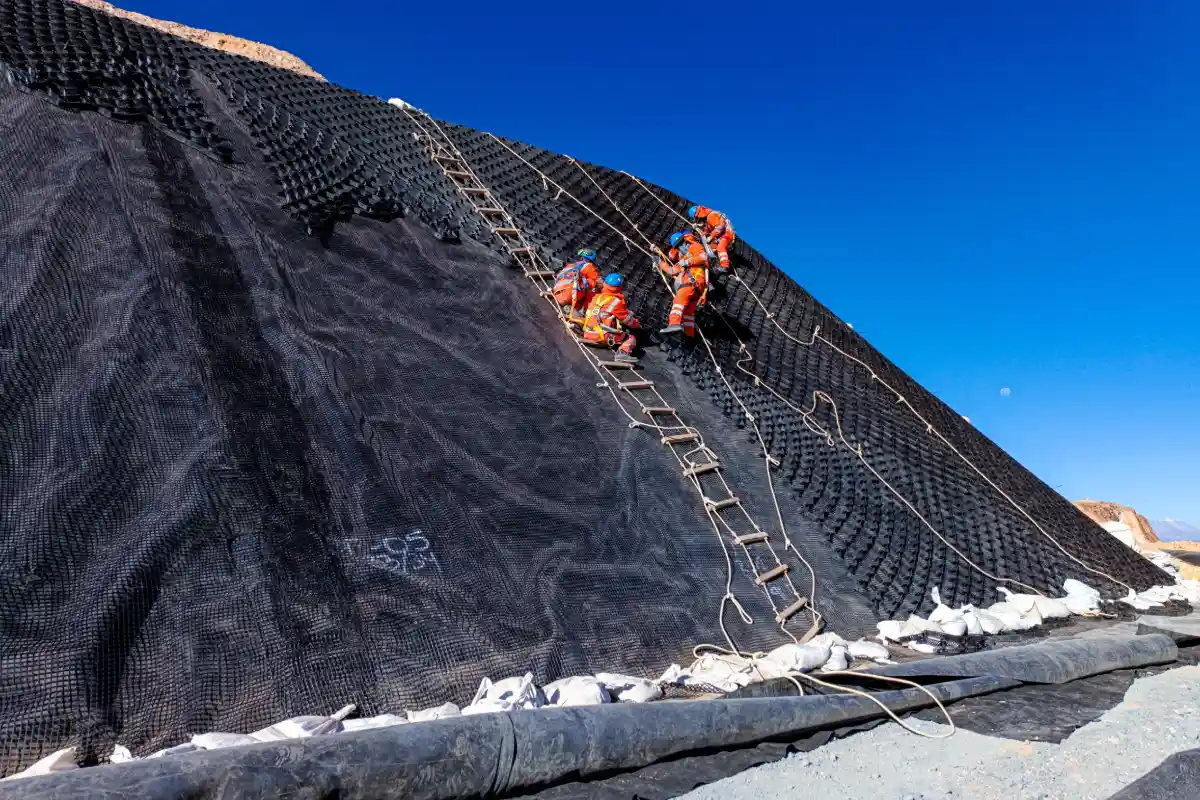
point(1174, 530)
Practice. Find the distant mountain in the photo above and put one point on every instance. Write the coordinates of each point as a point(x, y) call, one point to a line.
point(1174, 530)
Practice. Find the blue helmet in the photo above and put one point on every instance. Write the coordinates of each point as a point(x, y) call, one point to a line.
point(676, 238)
point(614, 279)
point(693, 212)
point(587, 255)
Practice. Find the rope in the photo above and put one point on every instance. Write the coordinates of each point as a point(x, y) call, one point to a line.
point(593, 361)
point(758, 380)
point(811, 605)
point(788, 544)
point(929, 428)
point(739, 660)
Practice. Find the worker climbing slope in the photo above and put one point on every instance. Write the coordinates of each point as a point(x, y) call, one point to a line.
point(609, 321)
point(687, 266)
point(717, 230)
point(576, 284)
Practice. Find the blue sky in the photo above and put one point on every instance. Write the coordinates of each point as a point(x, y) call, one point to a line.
point(996, 197)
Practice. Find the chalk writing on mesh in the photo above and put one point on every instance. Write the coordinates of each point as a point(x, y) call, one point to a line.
point(404, 555)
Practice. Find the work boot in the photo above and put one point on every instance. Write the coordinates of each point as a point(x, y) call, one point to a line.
point(670, 329)
point(621, 355)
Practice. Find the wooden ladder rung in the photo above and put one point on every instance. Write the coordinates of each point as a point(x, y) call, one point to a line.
point(717, 505)
point(444, 157)
point(539, 273)
point(750, 538)
point(791, 610)
point(521, 251)
point(454, 173)
point(653, 410)
point(618, 364)
point(506, 231)
point(680, 438)
point(490, 210)
point(701, 469)
point(771, 574)
point(631, 385)
point(474, 189)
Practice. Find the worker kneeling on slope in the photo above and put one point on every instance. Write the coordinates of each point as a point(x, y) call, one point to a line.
point(717, 231)
point(608, 320)
point(575, 285)
point(687, 266)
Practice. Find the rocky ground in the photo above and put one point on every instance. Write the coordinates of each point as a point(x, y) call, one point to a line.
point(1160, 716)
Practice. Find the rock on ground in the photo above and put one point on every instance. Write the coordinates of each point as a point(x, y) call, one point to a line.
point(1159, 716)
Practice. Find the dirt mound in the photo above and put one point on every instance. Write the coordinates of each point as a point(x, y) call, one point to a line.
point(1143, 533)
point(218, 41)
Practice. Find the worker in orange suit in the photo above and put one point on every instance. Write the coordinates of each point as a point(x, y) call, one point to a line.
point(609, 321)
point(576, 284)
point(717, 231)
point(687, 266)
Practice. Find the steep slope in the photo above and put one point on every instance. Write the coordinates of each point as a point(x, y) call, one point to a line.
point(283, 429)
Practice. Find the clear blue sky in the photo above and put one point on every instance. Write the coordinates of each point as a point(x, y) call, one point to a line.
point(996, 197)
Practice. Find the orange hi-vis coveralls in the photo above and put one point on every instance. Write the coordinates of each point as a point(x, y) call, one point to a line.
point(718, 230)
point(689, 269)
point(608, 320)
point(575, 286)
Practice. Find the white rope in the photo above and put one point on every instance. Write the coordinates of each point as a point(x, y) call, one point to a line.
point(788, 544)
point(759, 381)
point(739, 660)
point(811, 609)
point(929, 428)
point(593, 361)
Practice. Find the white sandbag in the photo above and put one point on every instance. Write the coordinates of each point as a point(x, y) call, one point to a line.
point(1189, 590)
point(990, 623)
point(890, 630)
point(1051, 608)
point(59, 761)
point(915, 626)
point(955, 627)
point(438, 712)
point(582, 690)
point(303, 727)
point(1011, 619)
point(628, 689)
point(1024, 603)
point(177, 750)
point(971, 619)
point(922, 647)
point(827, 640)
point(486, 706)
point(838, 659)
point(1081, 604)
point(1158, 594)
point(1075, 588)
point(866, 650)
point(369, 723)
point(725, 672)
point(217, 741)
point(942, 613)
point(794, 658)
point(120, 755)
point(516, 693)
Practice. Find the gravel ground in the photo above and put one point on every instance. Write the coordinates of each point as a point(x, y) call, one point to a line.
point(1159, 716)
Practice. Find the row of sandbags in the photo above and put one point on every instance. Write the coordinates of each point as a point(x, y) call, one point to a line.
point(714, 669)
point(1021, 612)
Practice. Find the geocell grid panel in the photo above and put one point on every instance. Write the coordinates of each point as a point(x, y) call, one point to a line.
point(216, 277)
point(337, 152)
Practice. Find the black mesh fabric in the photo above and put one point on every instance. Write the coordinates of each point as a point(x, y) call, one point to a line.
point(283, 430)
